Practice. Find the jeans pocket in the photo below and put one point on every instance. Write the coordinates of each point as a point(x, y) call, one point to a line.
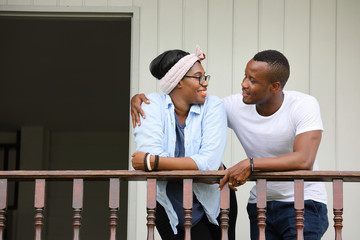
point(312, 206)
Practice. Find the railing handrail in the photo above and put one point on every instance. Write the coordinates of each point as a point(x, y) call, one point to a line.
point(136, 175)
point(115, 176)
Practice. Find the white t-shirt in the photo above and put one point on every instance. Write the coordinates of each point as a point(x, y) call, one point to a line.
point(274, 135)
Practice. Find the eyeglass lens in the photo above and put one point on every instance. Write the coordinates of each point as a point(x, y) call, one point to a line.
point(204, 78)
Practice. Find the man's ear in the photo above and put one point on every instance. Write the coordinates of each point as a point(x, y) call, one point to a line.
point(275, 86)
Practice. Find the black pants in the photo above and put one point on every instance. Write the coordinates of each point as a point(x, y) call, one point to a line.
point(202, 230)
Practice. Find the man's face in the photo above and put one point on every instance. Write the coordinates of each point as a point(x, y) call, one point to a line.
point(256, 83)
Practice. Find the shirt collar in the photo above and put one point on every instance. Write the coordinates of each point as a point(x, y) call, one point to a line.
point(194, 108)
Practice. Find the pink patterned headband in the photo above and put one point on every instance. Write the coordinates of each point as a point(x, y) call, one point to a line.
point(177, 72)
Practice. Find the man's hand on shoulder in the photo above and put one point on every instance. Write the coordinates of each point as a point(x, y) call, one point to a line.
point(136, 110)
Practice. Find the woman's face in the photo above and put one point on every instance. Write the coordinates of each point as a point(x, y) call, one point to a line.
point(193, 92)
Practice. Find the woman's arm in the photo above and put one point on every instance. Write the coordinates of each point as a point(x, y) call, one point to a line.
point(149, 137)
point(165, 163)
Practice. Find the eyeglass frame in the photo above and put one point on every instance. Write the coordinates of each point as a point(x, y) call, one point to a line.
point(201, 79)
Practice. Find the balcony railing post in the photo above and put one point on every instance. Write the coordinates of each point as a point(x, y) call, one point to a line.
point(261, 206)
point(114, 194)
point(151, 207)
point(78, 192)
point(3, 206)
point(338, 207)
point(39, 204)
point(224, 211)
point(188, 202)
point(299, 208)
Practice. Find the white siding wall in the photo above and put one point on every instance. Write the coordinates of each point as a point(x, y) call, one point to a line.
point(320, 38)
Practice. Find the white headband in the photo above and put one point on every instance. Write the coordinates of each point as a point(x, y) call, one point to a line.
point(177, 72)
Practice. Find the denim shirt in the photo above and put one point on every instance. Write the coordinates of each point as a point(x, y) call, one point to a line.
point(205, 141)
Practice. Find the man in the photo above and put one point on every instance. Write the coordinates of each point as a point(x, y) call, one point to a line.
point(279, 130)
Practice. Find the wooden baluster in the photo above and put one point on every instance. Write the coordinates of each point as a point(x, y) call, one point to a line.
point(114, 192)
point(39, 204)
point(78, 192)
point(3, 206)
point(151, 207)
point(299, 207)
point(338, 207)
point(188, 202)
point(261, 206)
point(224, 211)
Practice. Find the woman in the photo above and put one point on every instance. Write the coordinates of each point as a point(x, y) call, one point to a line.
point(184, 129)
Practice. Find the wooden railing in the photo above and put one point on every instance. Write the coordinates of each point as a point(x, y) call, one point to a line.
point(114, 178)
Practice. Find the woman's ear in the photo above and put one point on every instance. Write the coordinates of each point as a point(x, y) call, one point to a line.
point(179, 85)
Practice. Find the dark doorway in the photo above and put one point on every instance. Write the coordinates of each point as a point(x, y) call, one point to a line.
point(61, 71)
point(70, 75)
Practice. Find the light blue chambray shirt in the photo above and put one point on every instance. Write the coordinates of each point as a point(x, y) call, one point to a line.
point(205, 141)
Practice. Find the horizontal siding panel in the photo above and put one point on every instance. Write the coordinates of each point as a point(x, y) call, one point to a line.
point(148, 43)
point(45, 2)
point(347, 84)
point(170, 28)
point(296, 43)
point(95, 3)
point(271, 24)
point(220, 47)
point(245, 39)
point(322, 74)
point(120, 3)
point(170, 22)
point(71, 3)
point(19, 2)
point(195, 26)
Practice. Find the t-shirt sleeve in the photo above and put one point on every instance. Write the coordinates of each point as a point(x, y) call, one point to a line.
point(228, 103)
point(307, 115)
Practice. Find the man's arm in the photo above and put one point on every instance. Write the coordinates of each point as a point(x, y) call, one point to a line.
point(302, 158)
point(136, 109)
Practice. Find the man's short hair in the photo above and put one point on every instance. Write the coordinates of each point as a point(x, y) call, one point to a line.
point(278, 65)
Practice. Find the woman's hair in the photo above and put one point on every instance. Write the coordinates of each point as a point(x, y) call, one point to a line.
point(164, 62)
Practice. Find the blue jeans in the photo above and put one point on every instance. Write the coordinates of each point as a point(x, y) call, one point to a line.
point(281, 222)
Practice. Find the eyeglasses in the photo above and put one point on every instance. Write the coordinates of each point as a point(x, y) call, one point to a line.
point(201, 79)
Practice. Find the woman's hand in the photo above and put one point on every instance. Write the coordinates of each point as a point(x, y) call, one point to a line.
point(137, 160)
point(136, 109)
